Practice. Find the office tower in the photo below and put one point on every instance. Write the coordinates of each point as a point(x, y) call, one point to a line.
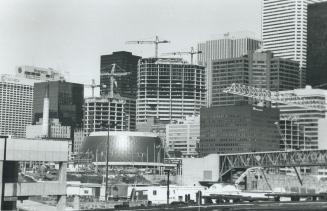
point(232, 45)
point(236, 129)
point(39, 73)
point(169, 89)
point(317, 45)
point(65, 102)
point(284, 30)
point(257, 69)
point(16, 105)
point(126, 85)
point(300, 126)
point(183, 135)
point(98, 111)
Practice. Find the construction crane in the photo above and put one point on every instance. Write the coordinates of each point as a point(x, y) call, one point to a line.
point(263, 95)
point(191, 52)
point(320, 85)
point(112, 74)
point(93, 85)
point(156, 42)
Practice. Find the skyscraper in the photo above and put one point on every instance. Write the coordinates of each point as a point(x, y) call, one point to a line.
point(16, 105)
point(66, 102)
point(230, 46)
point(127, 85)
point(257, 69)
point(16, 97)
point(235, 129)
point(169, 89)
point(317, 45)
point(284, 30)
point(118, 113)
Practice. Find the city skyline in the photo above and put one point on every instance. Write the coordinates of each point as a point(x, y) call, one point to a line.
point(58, 35)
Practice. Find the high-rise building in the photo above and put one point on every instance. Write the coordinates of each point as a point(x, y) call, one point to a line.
point(16, 105)
point(300, 126)
point(257, 69)
point(66, 102)
point(284, 30)
point(39, 73)
point(236, 129)
point(317, 45)
point(232, 45)
point(183, 135)
point(169, 89)
point(98, 111)
point(126, 85)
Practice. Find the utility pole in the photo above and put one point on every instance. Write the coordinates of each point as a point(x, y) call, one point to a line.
point(167, 171)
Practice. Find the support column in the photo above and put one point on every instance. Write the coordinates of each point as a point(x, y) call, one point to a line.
point(61, 199)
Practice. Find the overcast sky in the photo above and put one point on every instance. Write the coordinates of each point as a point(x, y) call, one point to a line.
point(70, 35)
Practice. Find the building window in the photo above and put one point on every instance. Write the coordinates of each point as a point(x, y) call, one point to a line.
point(154, 192)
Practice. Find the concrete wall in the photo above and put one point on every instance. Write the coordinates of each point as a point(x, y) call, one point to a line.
point(200, 169)
point(322, 134)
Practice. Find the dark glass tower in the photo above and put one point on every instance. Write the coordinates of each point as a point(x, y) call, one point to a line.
point(126, 85)
point(317, 45)
point(66, 102)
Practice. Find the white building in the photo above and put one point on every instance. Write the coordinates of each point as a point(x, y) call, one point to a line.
point(183, 135)
point(302, 128)
point(16, 105)
point(231, 45)
point(169, 89)
point(284, 29)
point(39, 73)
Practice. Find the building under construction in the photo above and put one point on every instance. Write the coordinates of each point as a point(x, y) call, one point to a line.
point(117, 112)
point(169, 89)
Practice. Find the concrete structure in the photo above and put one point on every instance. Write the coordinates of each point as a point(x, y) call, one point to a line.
point(127, 85)
point(322, 134)
point(304, 122)
point(317, 45)
point(56, 131)
point(16, 104)
point(184, 135)
point(231, 45)
point(13, 151)
point(284, 30)
point(124, 146)
point(79, 137)
point(207, 169)
point(258, 69)
point(238, 129)
point(169, 89)
point(39, 73)
point(97, 112)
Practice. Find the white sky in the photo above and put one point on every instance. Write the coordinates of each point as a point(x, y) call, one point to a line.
point(70, 35)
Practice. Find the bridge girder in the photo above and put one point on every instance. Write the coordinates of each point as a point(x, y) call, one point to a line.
point(299, 158)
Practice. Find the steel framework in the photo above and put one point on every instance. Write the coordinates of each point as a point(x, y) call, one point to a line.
point(301, 158)
point(263, 95)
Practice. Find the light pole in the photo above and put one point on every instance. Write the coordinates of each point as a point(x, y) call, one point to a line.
point(3, 180)
point(167, 171)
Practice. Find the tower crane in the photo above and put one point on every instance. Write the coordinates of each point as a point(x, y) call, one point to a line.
point(93, 85)
point(112, 74)
point(156, 42)
point(274, 97)
point(191, 52)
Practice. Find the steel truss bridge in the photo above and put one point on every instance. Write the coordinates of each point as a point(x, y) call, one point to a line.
point(301, 158)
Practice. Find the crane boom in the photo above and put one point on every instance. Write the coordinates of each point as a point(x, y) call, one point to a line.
point(274, 97)
point(191, 53)
point(156, 42)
